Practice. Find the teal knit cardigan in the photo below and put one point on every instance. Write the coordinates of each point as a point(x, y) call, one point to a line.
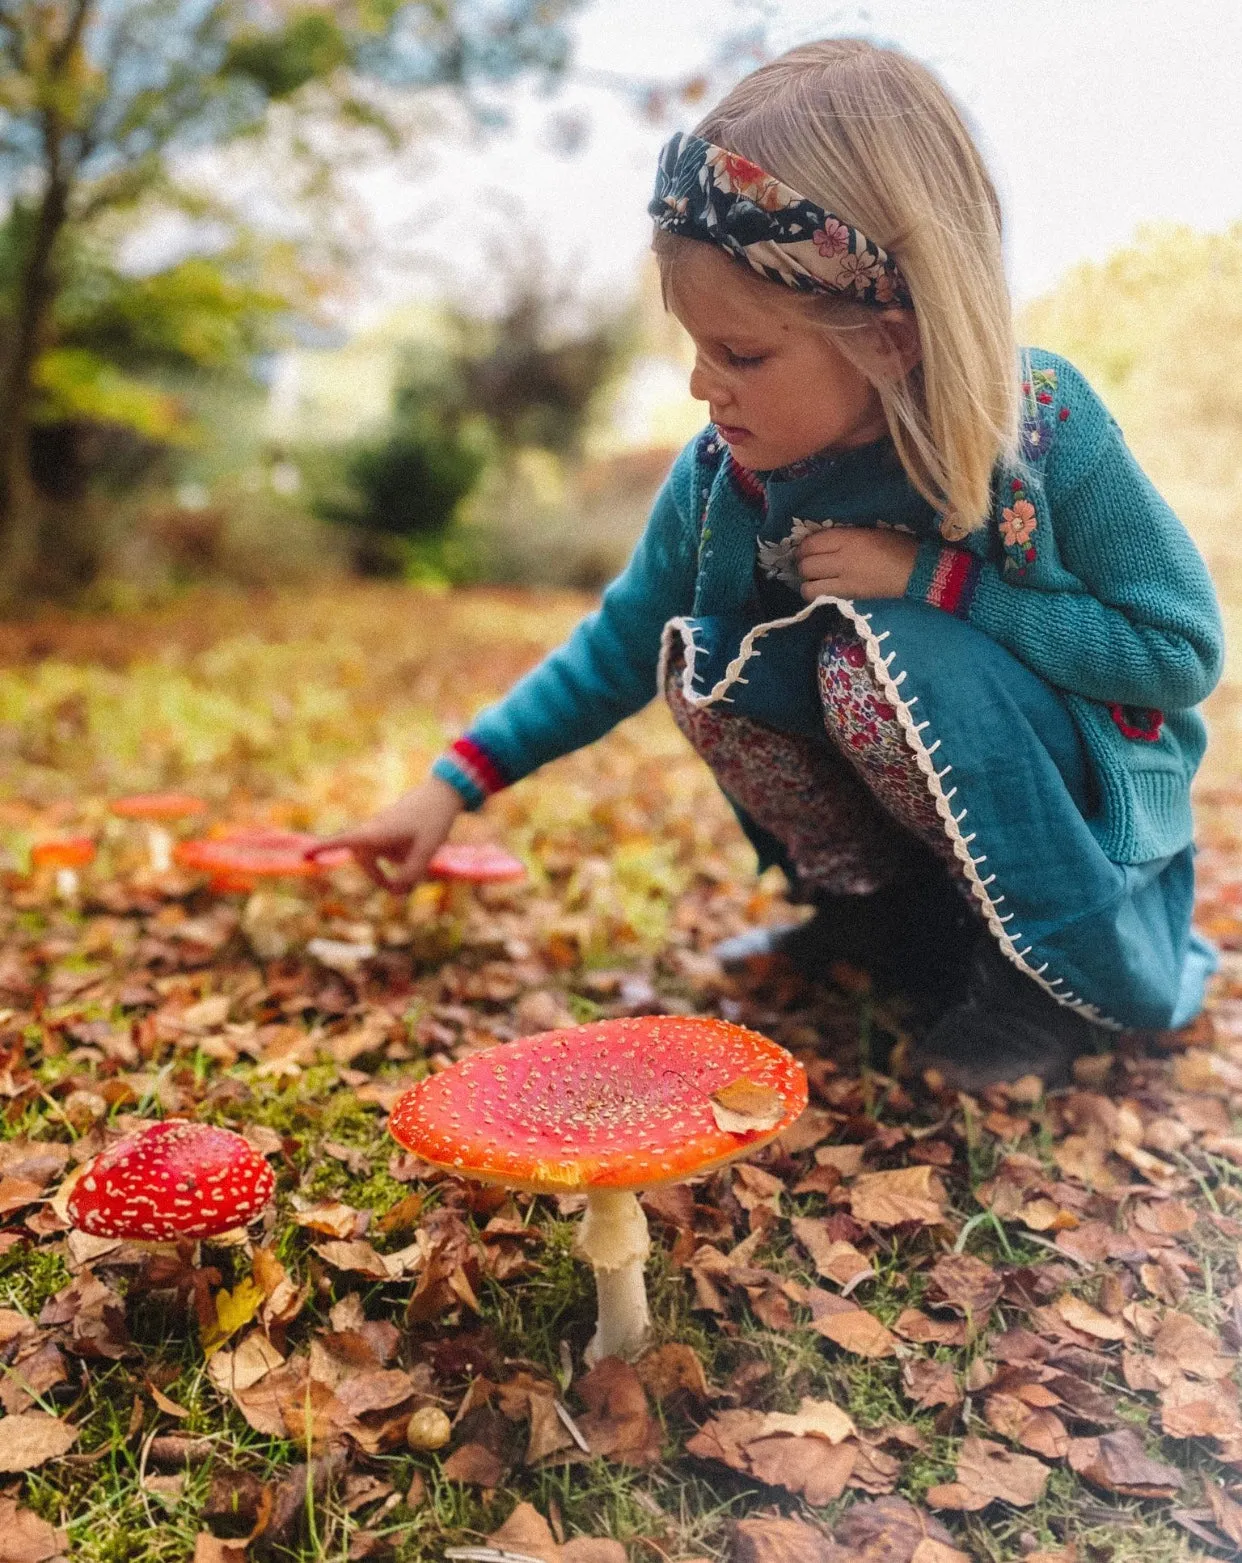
point(1082, 572)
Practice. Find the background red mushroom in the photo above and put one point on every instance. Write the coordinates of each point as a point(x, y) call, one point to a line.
point(158, 810)
point(605, 1109)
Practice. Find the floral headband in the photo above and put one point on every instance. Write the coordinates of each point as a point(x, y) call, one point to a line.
point(704, 192)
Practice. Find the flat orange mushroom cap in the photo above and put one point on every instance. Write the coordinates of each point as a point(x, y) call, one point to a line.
point(619, 1104)
point(63, 852)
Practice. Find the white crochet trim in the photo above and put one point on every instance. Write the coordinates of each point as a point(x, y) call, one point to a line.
point(881, 670)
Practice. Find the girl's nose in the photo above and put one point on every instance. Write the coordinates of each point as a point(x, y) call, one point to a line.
point(705, 384)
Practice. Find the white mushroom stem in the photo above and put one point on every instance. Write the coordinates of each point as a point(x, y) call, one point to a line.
point(159, 848)
point(67, 884)
point(613, 1238)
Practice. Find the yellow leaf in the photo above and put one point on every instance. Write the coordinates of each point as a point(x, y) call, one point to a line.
point(233, 1309)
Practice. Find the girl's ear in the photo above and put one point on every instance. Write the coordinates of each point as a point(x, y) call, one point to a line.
point(898, 348)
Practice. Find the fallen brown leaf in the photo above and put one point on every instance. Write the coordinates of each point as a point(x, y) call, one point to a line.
point(767, 1539)
point(890, 1198)
point(745, 1107)
point(1119, 1463)
point(32, 1438)
point(856, 1330)
point(25, 1538)
point(987, 1471)
point(1080, 1315)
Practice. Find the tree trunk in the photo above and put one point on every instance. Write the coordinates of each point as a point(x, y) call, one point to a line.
point(36, 295)
point(19, 511)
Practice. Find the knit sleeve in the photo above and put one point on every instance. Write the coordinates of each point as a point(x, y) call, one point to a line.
point(603, 673)
point(1138, 624)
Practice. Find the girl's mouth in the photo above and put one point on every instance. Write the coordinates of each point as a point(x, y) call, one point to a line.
point(732, 433)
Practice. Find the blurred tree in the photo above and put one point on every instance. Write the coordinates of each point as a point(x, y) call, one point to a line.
point(490, 388)
point(101, 101)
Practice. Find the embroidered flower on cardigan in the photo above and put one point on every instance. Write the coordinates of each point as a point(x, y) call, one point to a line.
point(1018, 522)
point(1017, 527)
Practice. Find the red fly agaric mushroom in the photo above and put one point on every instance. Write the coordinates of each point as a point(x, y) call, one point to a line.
point(603, 1110)
point(158, 809)
point(66, 855)
point(169, 1180)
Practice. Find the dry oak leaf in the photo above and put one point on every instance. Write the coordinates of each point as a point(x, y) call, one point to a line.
point(231, 1371)
point(1190, 1410)
point(889, 1198)
point(835, 1259)
point(810, 1452)
point(1193, 1349)
point(528, 1533)
point(1226, 1514)
point(475, 1465)
point(210, 1549)
point(987, 1471)
point(25, 1538)
point(617, 1423)
point(928, 1384)
point(966, 1285)
point(1037, 1429)
point(666, 1370)
point(855, 1330)
point(913, 1325)
point(816, 1469)
point(1080, 1315)
point(771, 1540)
point(31, 1438)
point(1119, 1463)
point(891, 1530)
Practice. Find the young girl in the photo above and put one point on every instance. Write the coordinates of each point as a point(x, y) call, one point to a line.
point(908, 594)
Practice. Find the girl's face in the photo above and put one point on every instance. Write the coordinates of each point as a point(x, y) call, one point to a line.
point(776, 388)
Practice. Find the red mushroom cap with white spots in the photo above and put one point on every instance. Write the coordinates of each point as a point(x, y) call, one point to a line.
point(171, 1179)
point(478, 863)
point(618, 1104)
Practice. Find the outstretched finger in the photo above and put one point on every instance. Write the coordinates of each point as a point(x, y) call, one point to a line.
point(406, 874)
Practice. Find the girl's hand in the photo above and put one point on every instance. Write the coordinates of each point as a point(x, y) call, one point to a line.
point(404, 835)
point(853, 561)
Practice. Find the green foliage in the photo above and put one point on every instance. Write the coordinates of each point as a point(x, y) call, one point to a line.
point(310, 45)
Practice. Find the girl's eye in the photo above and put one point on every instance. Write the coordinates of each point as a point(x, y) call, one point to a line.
point(740, 361)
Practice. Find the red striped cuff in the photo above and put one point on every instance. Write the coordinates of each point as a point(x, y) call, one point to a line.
point(953, 581)
point(478, 766)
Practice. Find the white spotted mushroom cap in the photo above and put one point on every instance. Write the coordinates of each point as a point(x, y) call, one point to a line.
point(171, 1179)
point(620, 1104)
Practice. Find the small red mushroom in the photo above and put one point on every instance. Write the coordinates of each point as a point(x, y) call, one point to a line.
point(173, 1179)
point(66, 854)
point(460, 864)
point(605, 1109)
point(158, 809)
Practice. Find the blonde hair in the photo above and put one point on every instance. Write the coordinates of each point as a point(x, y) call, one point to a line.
point(872, 136)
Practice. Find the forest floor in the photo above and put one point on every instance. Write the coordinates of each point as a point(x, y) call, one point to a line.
point(918, 1328)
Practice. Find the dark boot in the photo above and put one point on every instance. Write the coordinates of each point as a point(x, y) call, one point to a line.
point(914, 936)
point(1006, 1027)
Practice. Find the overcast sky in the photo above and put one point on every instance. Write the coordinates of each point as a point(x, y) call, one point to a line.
point(1094, 116)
